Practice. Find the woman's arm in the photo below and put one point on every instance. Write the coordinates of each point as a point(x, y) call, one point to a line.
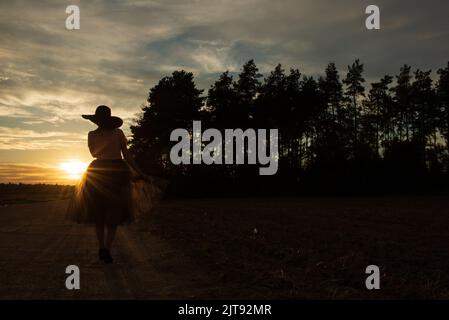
point(90, 144)
point(127, 155)
point(130, 160)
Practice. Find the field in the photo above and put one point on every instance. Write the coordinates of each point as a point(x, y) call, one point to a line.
point(31, 193)
point(312, 247)
point(229, 248)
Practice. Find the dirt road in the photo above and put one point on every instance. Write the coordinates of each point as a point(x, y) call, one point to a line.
point(37, 244)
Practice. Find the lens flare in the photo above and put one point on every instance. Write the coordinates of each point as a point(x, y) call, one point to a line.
point(73, 168)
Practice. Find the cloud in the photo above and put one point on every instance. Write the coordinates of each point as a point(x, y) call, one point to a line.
point(23, 139)
point(24, 173)
point(49, 76)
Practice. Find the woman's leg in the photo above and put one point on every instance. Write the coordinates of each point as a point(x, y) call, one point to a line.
point(111, 229)
point(99, 228)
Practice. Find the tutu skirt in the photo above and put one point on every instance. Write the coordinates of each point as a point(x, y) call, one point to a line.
point(107, 194)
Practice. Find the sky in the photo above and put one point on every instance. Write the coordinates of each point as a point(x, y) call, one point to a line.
point(49, 75)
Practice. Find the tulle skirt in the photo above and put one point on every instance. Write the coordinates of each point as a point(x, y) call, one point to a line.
point(108, 194)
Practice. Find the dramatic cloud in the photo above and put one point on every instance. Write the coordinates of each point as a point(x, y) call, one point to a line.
point(50, 75)
point(21, 139)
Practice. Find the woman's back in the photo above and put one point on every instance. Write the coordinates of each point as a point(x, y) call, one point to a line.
point(106, 143)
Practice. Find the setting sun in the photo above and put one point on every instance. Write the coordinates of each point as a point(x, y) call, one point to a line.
point(73, 168)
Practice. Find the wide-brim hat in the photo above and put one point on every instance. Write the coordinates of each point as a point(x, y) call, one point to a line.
point(103, 118)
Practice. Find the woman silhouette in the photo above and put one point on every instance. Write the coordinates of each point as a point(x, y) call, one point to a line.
point(103, 196)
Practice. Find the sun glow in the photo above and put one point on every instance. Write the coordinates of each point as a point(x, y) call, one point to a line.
point(73, 168)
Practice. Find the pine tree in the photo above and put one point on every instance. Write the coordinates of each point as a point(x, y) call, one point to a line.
point(173, 103)
point(378, 107)
point(222, 102)
point(332, 90)
point(246, 87)
point(423, 108)
point(354, 90)
point(402, 96)
point(443, 102)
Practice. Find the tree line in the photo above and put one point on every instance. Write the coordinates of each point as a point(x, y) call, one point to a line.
point(336, 133)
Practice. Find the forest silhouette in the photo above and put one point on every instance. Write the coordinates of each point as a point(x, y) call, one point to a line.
point(336, 135)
